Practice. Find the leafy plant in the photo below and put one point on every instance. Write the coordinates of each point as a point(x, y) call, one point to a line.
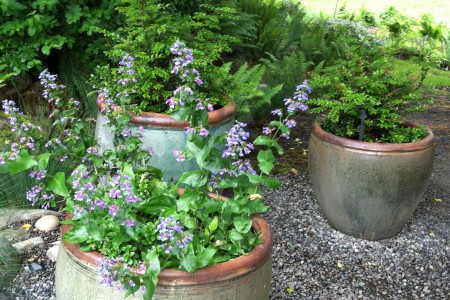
point(397, 24)
point(119, 204)
point(150, 28)
point(363, 89)
point(34, 30)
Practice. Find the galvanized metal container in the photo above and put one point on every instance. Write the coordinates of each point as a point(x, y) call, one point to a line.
point(244, 278)
point(368, 190)
point(165, 135)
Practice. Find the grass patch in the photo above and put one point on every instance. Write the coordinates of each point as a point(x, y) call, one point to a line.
point(415, 8)
point(436, 78)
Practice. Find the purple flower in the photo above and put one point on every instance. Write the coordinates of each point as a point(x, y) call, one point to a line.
point(198, 81)
point(267, 130)
point(33, 194)
point(39, 174)
point(113, 210)
point(128, 223)
point(291, 123)
point(179, 156)
point(115, 193)
point(9, 106)
point(99, 203)
point(203, 132)
point(236, 142)
point(132, 198)
point(105, 271)
point(277, 112)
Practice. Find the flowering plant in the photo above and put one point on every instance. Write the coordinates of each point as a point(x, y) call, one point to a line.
point(141, 225)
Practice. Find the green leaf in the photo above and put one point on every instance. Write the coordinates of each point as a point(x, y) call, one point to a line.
point(157, 204)
point(242, 223)
point(205, 257)
point(76, 235)
point(269, 182)
point(194, 178)
point(58, 184)
point(189, 262)
point(267, 141)
point(42, 160)
point(265, 161)
point(22, 163)
point(153, 268)
point(213, 225)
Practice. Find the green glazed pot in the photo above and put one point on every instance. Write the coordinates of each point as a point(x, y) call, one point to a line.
point(246, 277)
point(368, 190)
point(165, 135)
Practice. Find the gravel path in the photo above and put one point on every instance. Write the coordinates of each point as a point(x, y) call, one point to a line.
point(311, 260)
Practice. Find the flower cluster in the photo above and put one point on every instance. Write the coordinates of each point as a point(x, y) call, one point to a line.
point(171, 233)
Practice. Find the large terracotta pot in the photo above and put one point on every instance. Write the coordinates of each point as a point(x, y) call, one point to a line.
point(246, 277)
point(368, 190)
point(165, 135)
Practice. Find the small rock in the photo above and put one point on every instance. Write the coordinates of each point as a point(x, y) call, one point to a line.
point(35, 267)
point(52, 253)
point(28, 245)
point(47, 223)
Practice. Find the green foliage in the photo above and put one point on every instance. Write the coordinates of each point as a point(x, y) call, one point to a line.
point(150, 28)
point(288, 72)
point(397, 24)
point(253, 100)
point(367, 17)
point(36, 29)
point(366, 82)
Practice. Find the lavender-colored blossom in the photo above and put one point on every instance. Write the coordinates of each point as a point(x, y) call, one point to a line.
point(9, 106)
point(183, 244)
point(132, 198)
point(80, 195)
point(236, 141)
point(198, 81)
point(210, 107)
point(277, 112)
point(179, 156)
point(171, 232)
point(2, 159)
point(113, 210)
point(33, 194)
point(38, 174)
point(128, 223)
point(203, 132)
point(243, 166)
point(98, 204)
point(105, 271)
point(291, 123)
point(115, 193)
point(200, 106)
point(151, 151)
point(267, 130)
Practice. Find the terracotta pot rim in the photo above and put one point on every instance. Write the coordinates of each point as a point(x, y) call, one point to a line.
point(162, 120)
point(220, 272)
point(427, 142)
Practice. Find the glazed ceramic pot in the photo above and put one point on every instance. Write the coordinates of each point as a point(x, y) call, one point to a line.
point(246, 277)
point(368, 190)
point(165, 135)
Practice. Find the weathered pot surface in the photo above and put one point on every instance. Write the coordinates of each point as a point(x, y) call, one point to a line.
point(246, 277)
point(164, 134)
point(368, 190)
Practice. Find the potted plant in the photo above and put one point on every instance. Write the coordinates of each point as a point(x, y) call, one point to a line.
point(142, 81)
point(145, 235)
point(368, 166)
